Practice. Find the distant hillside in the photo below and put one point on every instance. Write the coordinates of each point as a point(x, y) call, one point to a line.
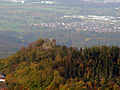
point(43, 65)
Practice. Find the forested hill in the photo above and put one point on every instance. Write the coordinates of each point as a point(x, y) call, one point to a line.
point(43, 65)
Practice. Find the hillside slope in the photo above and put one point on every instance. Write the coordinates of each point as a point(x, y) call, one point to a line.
point(43, 65)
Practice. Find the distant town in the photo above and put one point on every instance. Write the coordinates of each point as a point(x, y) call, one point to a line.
point(103, 1)
point(25, 1)
point(89, 23)
point(53, 1)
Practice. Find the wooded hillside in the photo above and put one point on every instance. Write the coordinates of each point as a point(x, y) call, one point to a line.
point(46, 66)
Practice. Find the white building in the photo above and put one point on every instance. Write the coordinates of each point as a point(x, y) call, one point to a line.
point(2, 80)
point(22, 1)
point(47, 2)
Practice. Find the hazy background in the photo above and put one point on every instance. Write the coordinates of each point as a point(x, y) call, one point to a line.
point(75, 23)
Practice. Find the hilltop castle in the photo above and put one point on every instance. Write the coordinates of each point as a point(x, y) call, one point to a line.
point(48, 43)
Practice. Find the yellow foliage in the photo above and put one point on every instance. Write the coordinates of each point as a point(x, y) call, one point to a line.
point(99, 88)
point(78, 87)
point(61, 87)
point(81, 65)
point(58, 58)
point(81, 83)
point(102, 81)
point(9, 77)
point(50, 87)
point(90, 61)
point(33, 65)
point(118, 61)
point(115, 87)
point(84, 87)
point(88, 74)
point(95, 82)
point(88, 83)
point(107, 88)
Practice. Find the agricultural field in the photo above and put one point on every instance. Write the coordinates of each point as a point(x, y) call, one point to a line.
point(21, 24)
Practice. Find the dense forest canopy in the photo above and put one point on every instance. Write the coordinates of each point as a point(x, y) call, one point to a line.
point(44, 65)
point(49, 64)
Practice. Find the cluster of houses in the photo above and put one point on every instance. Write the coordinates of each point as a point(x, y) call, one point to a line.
point(78, 23)
point(47, 2)
point(103, 1)
point(41, 2)
point(93, 17)
point(83, 25)
point(15, 1)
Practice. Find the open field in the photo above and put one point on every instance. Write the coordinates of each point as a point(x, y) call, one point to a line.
point(20, 25)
